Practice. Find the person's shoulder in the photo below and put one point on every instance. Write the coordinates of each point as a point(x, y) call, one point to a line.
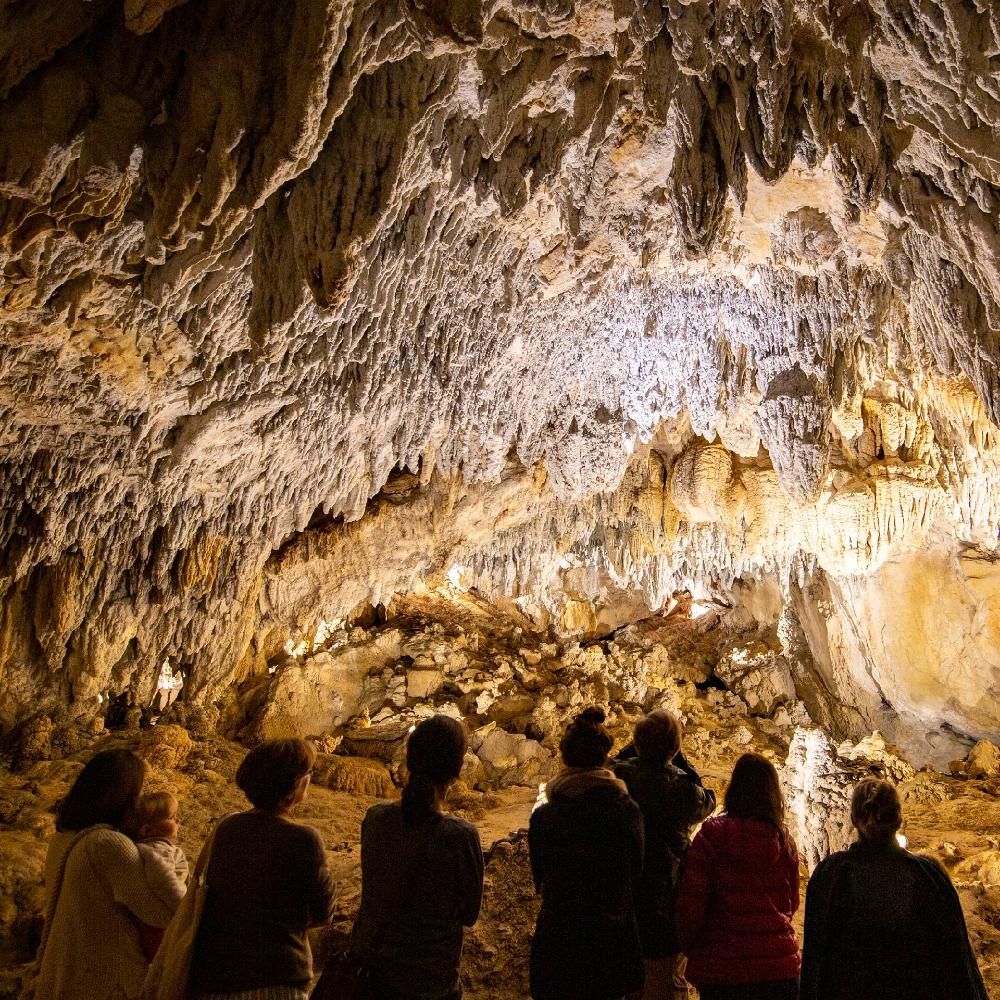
point(626, 769)
point(106, 843)
point(383, 814)
point(454, 827)
point(831, 864)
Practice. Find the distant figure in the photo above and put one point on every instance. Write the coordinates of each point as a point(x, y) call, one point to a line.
point(421, 875)
point(165, 864)
point(168, 687)
point(881, 923)
point(739, 891)
point(668, 790)
point(586, 857)
point(268, 883)
point(97, 887)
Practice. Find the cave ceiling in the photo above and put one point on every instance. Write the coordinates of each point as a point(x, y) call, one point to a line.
point(711, 287)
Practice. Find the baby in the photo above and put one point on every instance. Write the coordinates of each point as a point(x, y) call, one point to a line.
point(156, 826)
point(164, 863)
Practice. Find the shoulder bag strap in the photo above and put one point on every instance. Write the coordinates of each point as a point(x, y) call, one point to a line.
point(200, 876)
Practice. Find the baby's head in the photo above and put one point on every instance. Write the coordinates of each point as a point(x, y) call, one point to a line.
point(157, 816)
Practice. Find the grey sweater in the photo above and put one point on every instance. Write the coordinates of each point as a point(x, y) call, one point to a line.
point(268, 883)
point(418, 949)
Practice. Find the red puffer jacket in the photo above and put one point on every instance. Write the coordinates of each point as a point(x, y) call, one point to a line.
point(737, 897)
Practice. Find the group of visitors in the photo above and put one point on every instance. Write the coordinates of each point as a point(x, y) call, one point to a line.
point(630, 906)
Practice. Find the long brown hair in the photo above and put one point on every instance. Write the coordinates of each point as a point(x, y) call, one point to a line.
point(754, 791)
point(106, 791)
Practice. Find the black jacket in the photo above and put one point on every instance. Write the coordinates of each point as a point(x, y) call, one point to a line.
point(672, 800)
point(586, 858)
point(883, 924)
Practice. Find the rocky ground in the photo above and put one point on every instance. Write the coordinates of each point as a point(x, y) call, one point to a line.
point(515, 690)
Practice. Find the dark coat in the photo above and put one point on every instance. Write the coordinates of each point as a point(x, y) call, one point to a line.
point(586, 858)
point(672, 800)
point(734, 910)
point(884, 924)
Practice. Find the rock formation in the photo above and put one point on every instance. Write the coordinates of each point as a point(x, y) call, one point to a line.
point(308, 302)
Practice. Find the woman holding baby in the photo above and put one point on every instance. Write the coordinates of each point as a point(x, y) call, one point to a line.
point(101, 888)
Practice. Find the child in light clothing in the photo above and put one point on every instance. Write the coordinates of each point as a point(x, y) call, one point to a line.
point(164, 862)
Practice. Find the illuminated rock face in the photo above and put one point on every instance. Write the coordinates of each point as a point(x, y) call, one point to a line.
point(697, 294)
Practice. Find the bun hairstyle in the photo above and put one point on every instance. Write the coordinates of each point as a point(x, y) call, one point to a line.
point(754, 791)
point(435, 753)
point(875, 811)
point(586, 743)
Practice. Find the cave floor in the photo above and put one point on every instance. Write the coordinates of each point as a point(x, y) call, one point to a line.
point(957, 821)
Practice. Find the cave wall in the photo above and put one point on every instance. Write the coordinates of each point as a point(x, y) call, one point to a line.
point(260, 263)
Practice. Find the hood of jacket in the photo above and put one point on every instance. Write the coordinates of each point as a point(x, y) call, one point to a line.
point(571, 782)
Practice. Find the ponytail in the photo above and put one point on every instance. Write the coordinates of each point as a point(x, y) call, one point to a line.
point(435, 754)
point(418, 800)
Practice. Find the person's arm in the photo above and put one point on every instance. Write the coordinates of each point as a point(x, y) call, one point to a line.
point(538, 847)
point(814, 943)
point(685, 765)
point(320, 889)
point(696, 887)
point(638, 849)
point(470, 879)
point(116, 861)
point(161, 876)
point(792, 868)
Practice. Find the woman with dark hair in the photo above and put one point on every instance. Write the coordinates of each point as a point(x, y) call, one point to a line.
point(421, 875)
point(586, 858)
point(739, 891)
point(881, 923)
point(268, 883)
point(96, 888)
point(668, 791)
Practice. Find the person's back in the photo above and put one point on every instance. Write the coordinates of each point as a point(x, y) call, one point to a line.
point(422, 886)
point(586, 859)
point(881, 923)
point(421, 875)
point(267, 885)
point(739, 891)
point(671, 798)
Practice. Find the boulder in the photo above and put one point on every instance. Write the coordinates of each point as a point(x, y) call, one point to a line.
point(512, 759)
point(312, 696)
point(357, 775)
point(983, 760)
point(759, 676)
point(165, 746)
point(422, 682)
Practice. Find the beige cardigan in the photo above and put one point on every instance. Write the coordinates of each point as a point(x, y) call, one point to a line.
point(92, 951)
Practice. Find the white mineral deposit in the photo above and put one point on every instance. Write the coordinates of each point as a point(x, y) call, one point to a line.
point(374, 359)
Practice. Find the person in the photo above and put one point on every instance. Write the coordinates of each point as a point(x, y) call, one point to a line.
point(421, 875)
point(739, 891)
point(164, 862)
point(586, 847)
point(156, 833)
point(96, 888)
point(882, 923)
point(669, 793)
point(267, 884)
